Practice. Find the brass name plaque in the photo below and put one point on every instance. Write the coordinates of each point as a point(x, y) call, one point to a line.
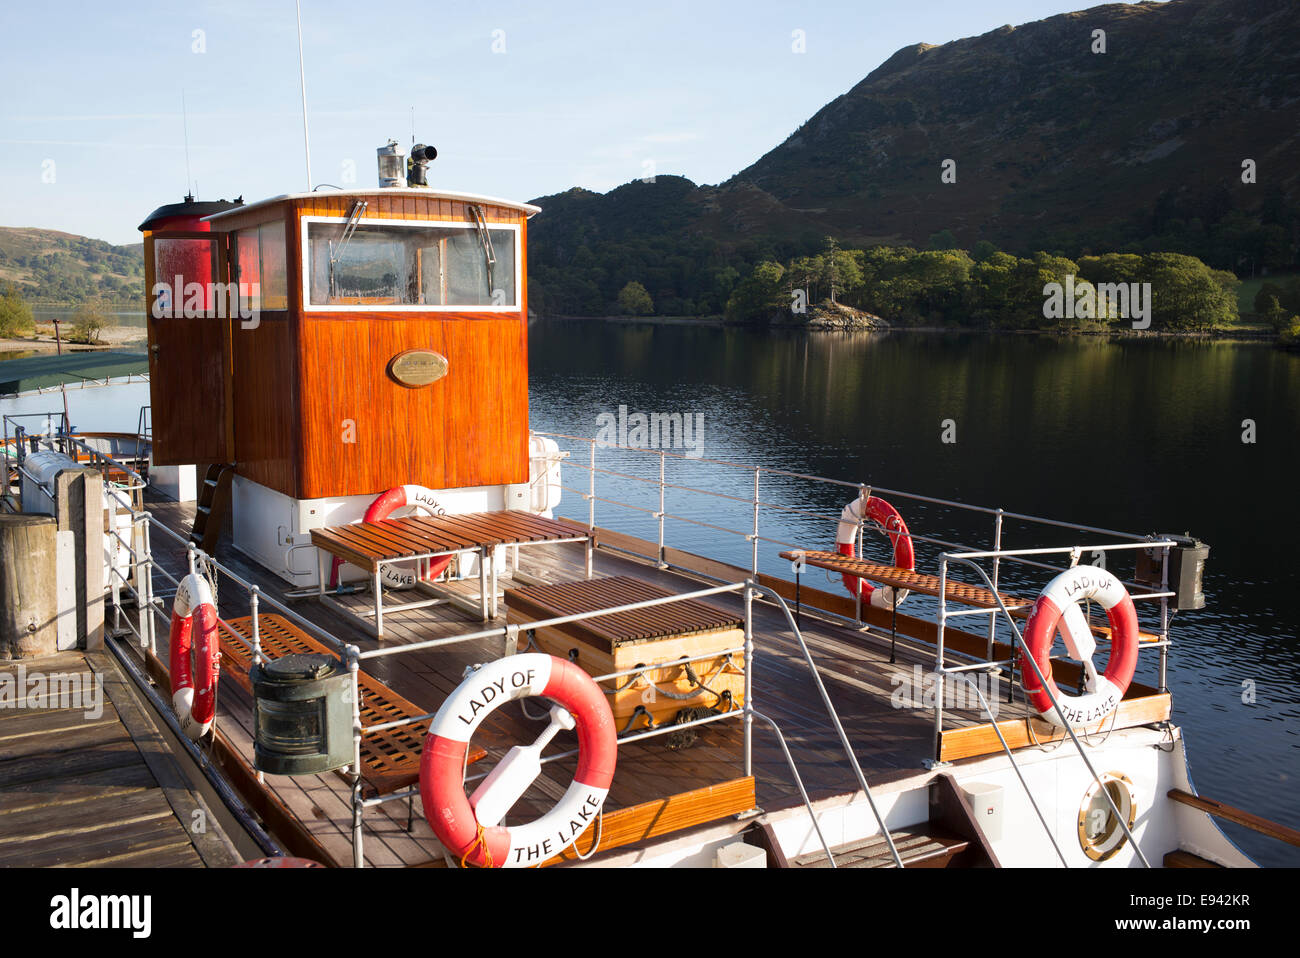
point(417, 367)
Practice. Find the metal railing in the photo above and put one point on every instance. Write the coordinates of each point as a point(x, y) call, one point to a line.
point(995, 554)
point(941, 671)
point(139, 584)
point(87, 382)
point(753, 533)
point(20, 442)
point(749, 475)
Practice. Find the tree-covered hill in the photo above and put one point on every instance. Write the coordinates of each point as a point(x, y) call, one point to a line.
point(49, 266)
point(1055, 146)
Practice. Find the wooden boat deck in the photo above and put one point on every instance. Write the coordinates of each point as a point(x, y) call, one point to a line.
point(890, 743)
point(81, 790)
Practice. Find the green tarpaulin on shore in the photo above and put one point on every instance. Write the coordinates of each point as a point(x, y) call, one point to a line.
point(39, 372)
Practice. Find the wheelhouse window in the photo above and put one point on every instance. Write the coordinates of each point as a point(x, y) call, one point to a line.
point(416, 265)
point(184, 268)
point(261, 258)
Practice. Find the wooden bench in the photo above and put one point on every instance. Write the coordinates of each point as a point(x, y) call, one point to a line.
point(955, 591)
point(908, 579)
point(390, 759)
point(372, 545)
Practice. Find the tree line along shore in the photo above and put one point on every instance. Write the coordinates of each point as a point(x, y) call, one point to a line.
point(988, 289)
point(941, 287)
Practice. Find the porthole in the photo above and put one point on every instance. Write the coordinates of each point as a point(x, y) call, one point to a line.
point(1100, 833)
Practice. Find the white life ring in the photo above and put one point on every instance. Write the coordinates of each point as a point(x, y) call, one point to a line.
point(194, 707)
point(456, 819)
point(1057, 606)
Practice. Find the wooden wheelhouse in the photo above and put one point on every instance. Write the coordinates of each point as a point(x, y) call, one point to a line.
point(332, 345)
point(299, 391)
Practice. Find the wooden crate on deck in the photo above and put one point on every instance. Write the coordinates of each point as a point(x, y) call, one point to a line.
point(660, 636)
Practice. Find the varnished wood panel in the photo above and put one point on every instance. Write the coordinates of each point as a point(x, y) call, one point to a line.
point(265, 403)
point(264, 380)
point(317, 415)
point(238, 219)
point(188, 372)
point(1282, 833)
point(470, 428)
point(663, 816)
point(959, 743)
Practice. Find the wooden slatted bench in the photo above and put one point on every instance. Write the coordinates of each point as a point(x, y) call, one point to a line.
point(371, 546)
point(390, 759)
point(657, 635)
point(955, 591)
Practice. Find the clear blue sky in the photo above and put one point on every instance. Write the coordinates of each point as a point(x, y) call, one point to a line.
point(584, 94)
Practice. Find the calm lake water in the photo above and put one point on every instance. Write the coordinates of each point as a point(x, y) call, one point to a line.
point(1136, 435)
point(67, 314)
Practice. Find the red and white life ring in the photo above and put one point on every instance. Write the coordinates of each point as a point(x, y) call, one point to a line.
point(1057, 606)
point(454, 818)
point(195, 707)
point(886, 516)
point(400, 497)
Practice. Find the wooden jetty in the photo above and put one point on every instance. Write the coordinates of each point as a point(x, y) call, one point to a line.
point(91, 780)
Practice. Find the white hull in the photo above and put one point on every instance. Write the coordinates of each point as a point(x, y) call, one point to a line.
point(1155, 761)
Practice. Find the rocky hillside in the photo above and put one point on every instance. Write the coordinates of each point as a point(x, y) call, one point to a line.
point(1054, 145)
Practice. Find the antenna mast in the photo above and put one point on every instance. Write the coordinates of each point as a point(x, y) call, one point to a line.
point(302, 80)
point(185, 126)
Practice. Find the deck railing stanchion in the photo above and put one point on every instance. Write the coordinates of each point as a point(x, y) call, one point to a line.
point(1164, 619)
point(860, 537)
point(254, 600)
point(358, 805)
point(938, 658)
point(591, 489)
point(140, 571)
point(753, 562)
point(147, 611)
point(660, 514)
point(114, 552)
point(749, 678)
point(997, 547)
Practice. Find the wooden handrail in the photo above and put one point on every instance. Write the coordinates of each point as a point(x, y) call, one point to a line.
point(1262, 825)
